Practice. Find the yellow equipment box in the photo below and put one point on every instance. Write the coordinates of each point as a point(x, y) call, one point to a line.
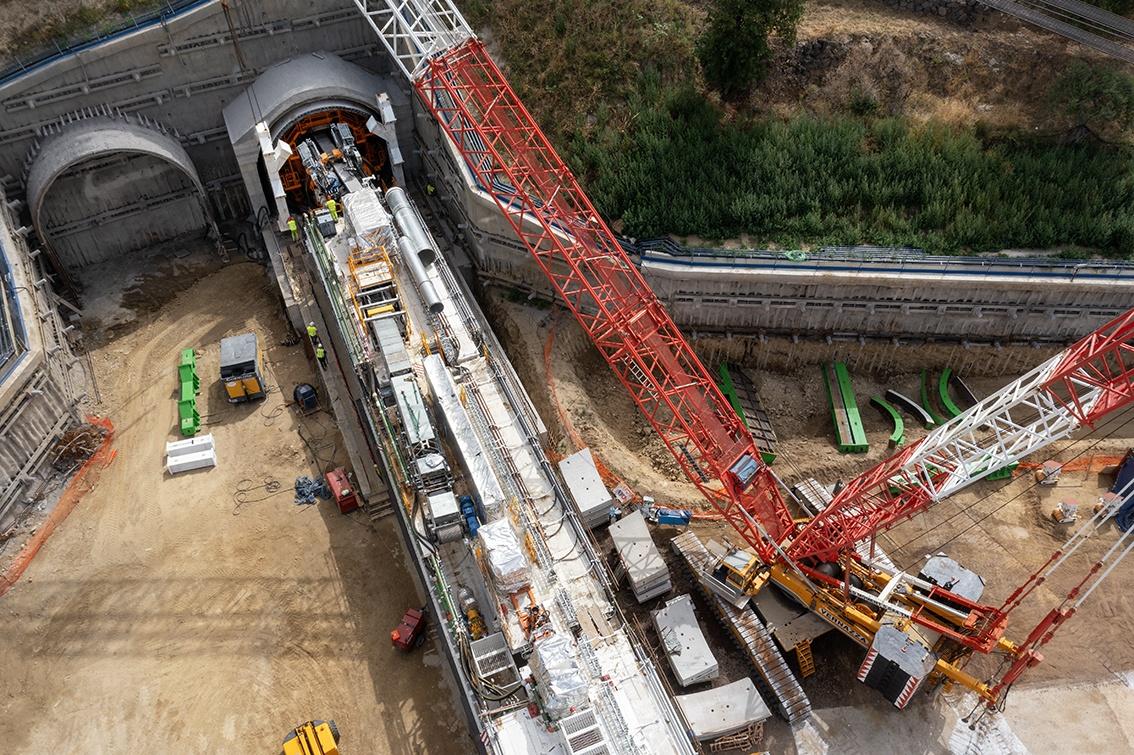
point(312, 738)
point(240, 364)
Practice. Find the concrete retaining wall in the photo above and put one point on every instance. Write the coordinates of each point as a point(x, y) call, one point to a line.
point(1002, 300)
point(40, 385)
point(183, 74)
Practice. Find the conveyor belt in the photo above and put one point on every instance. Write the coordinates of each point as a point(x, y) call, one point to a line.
point(778, 682)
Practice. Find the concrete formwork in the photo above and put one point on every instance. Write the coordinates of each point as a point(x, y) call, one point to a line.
point(103, 187)
point(40, 382)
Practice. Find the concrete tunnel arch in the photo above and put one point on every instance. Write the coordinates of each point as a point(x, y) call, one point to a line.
point(290, 91)
point(106, 187)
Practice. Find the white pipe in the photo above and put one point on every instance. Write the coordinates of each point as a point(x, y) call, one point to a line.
point(425, 287)
point(408, 223)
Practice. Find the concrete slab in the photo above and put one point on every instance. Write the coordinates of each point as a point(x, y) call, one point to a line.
point(648, 574)
point(685, 646)
point(586, 486)
point(724, 710)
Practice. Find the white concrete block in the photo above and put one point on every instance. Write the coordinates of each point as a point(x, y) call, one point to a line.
point(190, 461)
point(189, 445)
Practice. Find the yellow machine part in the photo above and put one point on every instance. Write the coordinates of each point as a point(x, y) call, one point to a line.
point(252, 385)
point(312, 739)
point(234, 388)
point(861, 626)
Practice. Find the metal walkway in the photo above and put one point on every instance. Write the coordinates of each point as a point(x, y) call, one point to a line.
point(751, 635)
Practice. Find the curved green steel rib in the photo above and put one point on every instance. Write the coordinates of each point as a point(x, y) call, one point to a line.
point(943, 392)
point(898, 437)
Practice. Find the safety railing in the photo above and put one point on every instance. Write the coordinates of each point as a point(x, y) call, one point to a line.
point(867, 258)
point(114, 26)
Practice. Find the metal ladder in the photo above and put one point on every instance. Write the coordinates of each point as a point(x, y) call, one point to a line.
point(805, 659)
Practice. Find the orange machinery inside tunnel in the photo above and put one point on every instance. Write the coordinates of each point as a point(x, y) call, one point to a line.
point(375, 157)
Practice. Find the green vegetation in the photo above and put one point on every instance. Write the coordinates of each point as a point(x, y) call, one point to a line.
point(1102, 98)
point(734, 48)
point(75, 24)
point(617, 86)
point(685, 169)
point(578, 62)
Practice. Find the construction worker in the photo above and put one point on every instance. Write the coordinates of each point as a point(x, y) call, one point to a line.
point(312, 331)
point(333, 208)
point(430, 189)
point(321, 355)
point(293, 227)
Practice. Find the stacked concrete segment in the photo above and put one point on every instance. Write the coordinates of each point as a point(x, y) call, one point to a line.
point(645, 569)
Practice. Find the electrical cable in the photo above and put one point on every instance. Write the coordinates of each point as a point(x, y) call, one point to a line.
point(240, 496)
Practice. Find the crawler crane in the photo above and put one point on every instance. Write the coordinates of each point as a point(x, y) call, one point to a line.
point(915, 628)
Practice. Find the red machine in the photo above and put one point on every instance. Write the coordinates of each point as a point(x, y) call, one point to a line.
point(596, 280)
point(341, 490)
point(411, 631)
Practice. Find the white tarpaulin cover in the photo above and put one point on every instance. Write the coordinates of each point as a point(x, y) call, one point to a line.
point(505, 557)
point(474, 459)
point(365, 212)
point(562, 685)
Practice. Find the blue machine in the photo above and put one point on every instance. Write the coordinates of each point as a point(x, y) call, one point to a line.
point(468, 511)
point(673, 517)
point(305, 397)
point(665, 517)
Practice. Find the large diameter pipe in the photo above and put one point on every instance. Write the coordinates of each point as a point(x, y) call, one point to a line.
point(417, 271)
point(408, 223)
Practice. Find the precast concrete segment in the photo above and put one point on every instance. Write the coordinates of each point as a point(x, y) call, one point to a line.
point(89, 140)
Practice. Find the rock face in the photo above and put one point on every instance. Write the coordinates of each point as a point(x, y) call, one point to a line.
point(965, 12)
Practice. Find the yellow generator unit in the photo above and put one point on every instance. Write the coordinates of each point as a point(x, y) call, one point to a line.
point(312, 738)
point(240, 364)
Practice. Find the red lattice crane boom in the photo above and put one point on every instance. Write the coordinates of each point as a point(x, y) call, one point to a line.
point(514, 162)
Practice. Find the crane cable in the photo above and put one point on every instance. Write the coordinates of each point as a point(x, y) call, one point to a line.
point(1120, 418)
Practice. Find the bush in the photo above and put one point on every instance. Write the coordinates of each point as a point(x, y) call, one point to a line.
point(862, 103)
point(683, 170)
point(1098, 97)
point(733, 48)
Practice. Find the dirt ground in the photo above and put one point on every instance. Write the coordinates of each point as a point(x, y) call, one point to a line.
point(175, 615)
point(1002, 530)
point(998, 72)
